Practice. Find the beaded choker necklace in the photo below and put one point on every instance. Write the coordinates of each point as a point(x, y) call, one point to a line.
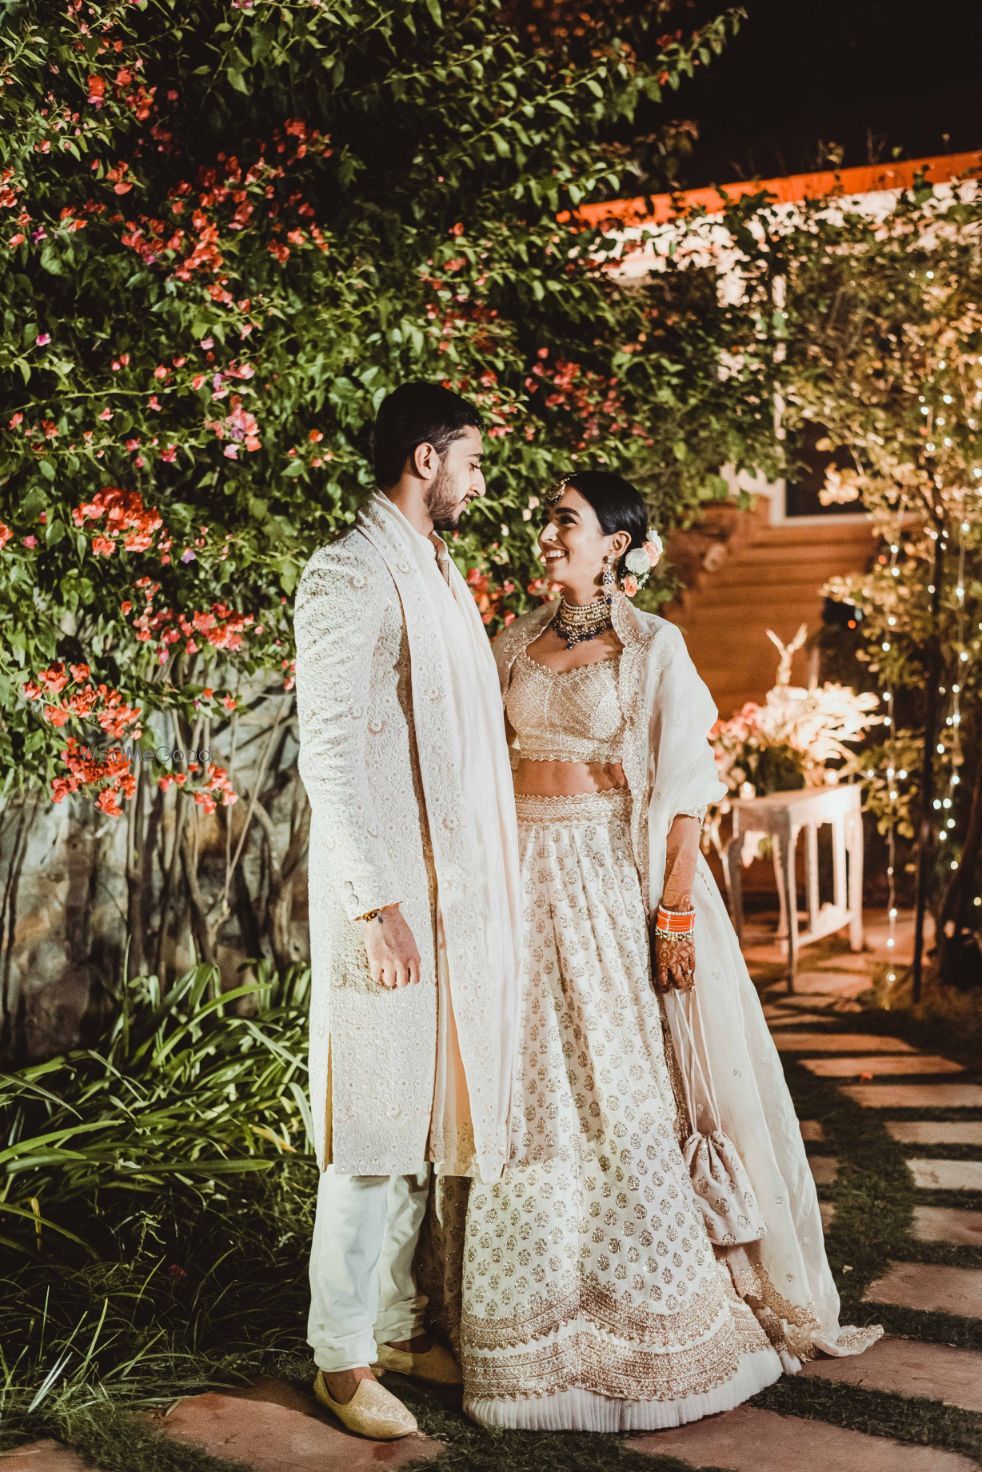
point(578, 622)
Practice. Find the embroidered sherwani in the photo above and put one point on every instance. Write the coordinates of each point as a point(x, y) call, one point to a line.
point(392, 661)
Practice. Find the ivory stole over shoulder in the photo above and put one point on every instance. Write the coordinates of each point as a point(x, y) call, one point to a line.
point(466, 780)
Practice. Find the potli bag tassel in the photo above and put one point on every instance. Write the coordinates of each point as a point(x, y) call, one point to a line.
point(729, 1204)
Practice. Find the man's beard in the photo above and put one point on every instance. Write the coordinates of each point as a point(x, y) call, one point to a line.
point(443, 505)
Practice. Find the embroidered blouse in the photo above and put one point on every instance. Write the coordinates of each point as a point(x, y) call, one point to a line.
point(566, 715)
point(569, 715)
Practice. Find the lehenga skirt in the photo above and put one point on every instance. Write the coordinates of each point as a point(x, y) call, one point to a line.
point(591, 1297)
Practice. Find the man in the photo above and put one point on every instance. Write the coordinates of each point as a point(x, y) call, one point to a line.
point(414, 898)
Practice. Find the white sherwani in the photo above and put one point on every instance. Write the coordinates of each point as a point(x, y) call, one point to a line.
point(392, 660)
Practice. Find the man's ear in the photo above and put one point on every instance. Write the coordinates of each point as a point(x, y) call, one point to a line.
point(424, 461)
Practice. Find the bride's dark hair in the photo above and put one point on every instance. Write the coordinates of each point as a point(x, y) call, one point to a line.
point(619, 506)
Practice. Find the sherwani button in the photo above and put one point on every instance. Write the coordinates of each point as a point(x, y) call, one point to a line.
point(434, 693)
point(450, 823)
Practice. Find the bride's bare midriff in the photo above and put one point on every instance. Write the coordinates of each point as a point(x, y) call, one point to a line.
point(566, 779)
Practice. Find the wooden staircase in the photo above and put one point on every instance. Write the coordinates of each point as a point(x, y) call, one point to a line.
point(744, 577)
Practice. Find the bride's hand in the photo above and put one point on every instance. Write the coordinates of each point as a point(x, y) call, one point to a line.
point(673, 963)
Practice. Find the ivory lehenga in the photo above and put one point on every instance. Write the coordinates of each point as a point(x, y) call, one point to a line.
point(590, 1295)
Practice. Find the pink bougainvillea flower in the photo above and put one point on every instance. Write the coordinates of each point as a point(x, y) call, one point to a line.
point(42, 339)
point(53, 679)
point(5, 534)
point(102, 546)
point(63, 787)
point(29, 541)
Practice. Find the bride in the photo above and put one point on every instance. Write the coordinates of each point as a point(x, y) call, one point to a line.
point(638, 1268)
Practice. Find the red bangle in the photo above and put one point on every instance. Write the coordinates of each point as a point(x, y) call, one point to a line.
point(677, 922)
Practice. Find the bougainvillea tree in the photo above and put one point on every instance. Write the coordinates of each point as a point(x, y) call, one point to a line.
point(226, 232)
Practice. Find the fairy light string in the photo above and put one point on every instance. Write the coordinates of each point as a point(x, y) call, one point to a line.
point(945, 805)
point(893, 774)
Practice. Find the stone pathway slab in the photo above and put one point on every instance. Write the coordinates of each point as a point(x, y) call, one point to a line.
point(840, 1042)
point(948, 1224)
point(44, 1456)
point(781, 1021)
point(930, 1287)
point(881, 1065)
point(811, 1130)
point(856, 961)
point(824, 1169)
point(273, 1437)
point(936, 1131)
point(837, 984)
point(813, 1008)
point(748, 1440)
point(916, 1096)
point(946, 1175)
point(908, 1367)
point(827, 1212)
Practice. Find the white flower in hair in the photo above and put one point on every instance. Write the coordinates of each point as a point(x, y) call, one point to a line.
point(640, 560)
point(654, 547)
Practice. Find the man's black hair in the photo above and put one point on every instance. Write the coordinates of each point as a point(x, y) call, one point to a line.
point(414, 414)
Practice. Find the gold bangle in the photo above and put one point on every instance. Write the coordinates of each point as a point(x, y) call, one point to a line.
point(368, 915)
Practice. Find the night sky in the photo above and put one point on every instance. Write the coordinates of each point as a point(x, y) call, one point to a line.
point(870, 75)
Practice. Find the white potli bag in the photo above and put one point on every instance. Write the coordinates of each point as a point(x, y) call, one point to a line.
point(729, 1205)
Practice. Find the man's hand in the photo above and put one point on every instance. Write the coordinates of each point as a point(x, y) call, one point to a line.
point(393, 956)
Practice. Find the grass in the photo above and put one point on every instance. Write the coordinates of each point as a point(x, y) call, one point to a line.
point(155, 1212)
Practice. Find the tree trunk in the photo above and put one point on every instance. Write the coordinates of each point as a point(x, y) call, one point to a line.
point(203, 930)
point(925, 827)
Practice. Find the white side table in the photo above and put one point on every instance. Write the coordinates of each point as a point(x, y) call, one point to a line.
point(782, 816)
